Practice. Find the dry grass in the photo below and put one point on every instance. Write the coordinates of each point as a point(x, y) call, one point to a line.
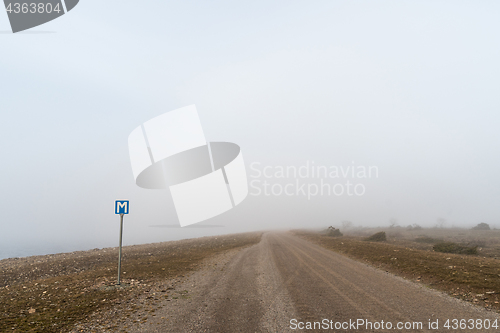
point(52, 293)
point(487, 241)
point(472, 278)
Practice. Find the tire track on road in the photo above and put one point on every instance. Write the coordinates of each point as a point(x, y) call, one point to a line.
point(264, 287)
point(343, 280)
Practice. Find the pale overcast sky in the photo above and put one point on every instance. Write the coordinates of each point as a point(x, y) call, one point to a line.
point(409, 87)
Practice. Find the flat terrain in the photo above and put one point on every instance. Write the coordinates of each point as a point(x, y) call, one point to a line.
point(52, 293)
point(271, 282)
point(486, 241)
point(264, 287)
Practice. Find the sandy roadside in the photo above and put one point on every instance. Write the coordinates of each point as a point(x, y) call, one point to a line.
point(241, 284)
point(54, 292)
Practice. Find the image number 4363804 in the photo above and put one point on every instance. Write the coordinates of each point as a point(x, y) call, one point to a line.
point(32, 13)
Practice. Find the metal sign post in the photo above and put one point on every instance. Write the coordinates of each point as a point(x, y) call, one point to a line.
point(120, 250)
point(122, 208)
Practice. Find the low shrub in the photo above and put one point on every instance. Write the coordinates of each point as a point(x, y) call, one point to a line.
point(378, 237)
point(332, 232)
point(482, 226)
point(427, 240)
point(450, 247)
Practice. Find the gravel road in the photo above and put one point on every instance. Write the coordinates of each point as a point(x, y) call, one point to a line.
point(285, 282)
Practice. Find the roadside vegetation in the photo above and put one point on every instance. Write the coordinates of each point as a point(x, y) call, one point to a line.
point(52, 293)
point(377, 237)
point(332, 232)
point(463, 263)
point(427, 240)
point(450, 247)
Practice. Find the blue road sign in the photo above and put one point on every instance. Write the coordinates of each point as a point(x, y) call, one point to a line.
point(121, 207)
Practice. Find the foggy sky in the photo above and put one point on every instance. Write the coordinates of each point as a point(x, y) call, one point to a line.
point(408, 87)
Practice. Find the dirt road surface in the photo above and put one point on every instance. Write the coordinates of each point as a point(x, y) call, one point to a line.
point(285, 282)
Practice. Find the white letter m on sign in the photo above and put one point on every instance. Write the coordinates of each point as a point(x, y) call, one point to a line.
point(122, 207)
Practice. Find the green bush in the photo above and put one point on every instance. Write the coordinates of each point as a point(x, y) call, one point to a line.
point(378, 237)
point(482, 226)
point(427, 240)
point(450, 247)
point(332, 232)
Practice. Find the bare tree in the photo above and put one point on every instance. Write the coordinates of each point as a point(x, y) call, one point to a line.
point(393, 223)
point(441, 223)
point(346, 224)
